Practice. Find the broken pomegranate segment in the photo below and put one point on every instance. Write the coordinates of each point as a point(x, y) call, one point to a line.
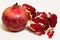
point(29, 8)
point(50, 33)
point(43, 21)
point(37, 28)
point(40, 25)
point(53, 20)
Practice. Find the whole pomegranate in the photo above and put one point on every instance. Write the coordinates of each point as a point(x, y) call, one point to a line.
point(15, 18)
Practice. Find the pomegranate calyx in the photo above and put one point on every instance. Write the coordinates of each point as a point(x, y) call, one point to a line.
point(16, 5)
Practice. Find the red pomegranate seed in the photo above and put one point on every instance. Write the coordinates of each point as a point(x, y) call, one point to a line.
point(42, 14)
point(50, 33)
point(53, 20)
point(38, 28)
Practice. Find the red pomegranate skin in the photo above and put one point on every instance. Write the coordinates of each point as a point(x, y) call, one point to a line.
point(15, 18)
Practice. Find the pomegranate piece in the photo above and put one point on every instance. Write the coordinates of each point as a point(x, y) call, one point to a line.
point(43, 21)
point(53, 20)
point(42, 14)
point(14, 18)
point(50, 33)
point(29, 7)
point(37, 28)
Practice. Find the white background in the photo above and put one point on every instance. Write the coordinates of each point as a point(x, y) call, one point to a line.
point(41, 5)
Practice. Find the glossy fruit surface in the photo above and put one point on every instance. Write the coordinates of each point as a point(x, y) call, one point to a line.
point(15, 18)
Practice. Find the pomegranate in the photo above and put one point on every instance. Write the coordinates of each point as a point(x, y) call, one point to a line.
point(15, 18)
